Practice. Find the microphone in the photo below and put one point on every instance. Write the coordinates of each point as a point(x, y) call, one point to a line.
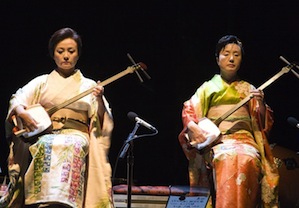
point(134, 117)
point(293, 122)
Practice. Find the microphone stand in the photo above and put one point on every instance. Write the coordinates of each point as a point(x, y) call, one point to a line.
point(130, 162)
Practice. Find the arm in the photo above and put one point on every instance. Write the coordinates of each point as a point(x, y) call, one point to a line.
point(190, 120)
point(20, 100)
point(259, 104)
point(98, 92)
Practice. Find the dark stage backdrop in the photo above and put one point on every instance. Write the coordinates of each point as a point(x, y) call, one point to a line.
point(176, 40)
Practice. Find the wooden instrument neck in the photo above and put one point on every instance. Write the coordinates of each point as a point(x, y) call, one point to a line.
point(250, 96)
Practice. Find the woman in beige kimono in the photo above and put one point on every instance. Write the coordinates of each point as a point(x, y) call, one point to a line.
point(67, 166)
point(240, 166)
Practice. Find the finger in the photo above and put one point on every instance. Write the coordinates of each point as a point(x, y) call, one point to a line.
point(98, 91)
point(261, 93)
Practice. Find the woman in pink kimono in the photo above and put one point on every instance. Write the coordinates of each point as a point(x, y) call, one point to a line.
point(239, 168)
point(67, 166)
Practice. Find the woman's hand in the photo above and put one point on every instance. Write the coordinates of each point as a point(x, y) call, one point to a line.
point(29, 123)
point(195, 134)
point(98, 91)
point(258, 94)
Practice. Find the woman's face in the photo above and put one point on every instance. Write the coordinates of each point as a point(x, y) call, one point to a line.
point(229, 60)
point(66, 56)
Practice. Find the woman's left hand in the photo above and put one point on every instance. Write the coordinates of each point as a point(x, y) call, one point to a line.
point(98, 91)
point(258, 94)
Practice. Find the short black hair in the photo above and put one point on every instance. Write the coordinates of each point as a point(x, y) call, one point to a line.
point(62, 34)
point(227, 39)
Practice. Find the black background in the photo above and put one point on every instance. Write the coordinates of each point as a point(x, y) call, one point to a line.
point(176, 40)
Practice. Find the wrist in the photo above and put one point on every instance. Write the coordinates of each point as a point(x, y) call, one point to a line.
point(191, 125)
point(19, 110)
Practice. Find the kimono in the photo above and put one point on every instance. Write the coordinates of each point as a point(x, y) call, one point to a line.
point(68, 165)
point(242, 165)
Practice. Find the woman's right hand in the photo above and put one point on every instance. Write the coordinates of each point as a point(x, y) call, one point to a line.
point(29, 123)
point(195, 134)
